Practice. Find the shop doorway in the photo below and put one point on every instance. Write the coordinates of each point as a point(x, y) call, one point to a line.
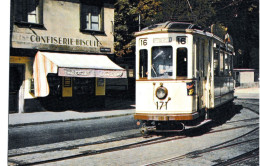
point(16, 88)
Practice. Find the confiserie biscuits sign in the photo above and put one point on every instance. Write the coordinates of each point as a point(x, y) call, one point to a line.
point(53, 40)
point(69, 72)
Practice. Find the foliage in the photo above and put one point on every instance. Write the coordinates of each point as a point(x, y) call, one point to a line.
point(126, 22)
point(125, 19)
point(239, 17)
point(200, 11)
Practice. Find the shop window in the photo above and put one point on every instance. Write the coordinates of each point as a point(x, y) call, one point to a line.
point(130, 73)
point(28, 11)
point(161, 62)
point(91, 18)
point(216, 62)
point(143, 64)
point(182, 62)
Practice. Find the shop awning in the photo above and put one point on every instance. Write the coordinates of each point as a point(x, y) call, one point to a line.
point(71, 65)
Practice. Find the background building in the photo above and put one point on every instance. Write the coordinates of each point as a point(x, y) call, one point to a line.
point(58, 53)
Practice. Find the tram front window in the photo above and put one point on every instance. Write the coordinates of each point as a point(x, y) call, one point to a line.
point(143, 63)
point(182, 61)
point(161, 62)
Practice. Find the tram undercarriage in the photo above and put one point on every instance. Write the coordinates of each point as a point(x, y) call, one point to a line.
point(219, 114)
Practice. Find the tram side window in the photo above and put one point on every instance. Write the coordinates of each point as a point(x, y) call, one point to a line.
point(143, 63)
point(221, 63)
point(226, 65)
point(161, 62)
point(182, 62)
point(231, 65)
point(216, 62)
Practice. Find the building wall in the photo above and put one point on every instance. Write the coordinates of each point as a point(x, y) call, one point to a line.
point(61, 30)
point(27, 61)
point(246, 77)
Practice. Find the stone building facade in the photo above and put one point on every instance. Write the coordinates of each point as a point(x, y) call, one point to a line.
point(59, 53)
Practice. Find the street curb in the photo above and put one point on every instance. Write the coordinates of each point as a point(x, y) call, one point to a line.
point(68, 120)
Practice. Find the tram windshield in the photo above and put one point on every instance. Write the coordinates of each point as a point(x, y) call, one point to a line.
point(161, 62)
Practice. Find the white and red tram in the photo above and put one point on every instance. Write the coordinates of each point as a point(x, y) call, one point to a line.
point(182, 74)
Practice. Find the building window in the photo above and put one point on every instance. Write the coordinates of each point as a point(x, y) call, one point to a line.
point(28, 11)
point(91, 18)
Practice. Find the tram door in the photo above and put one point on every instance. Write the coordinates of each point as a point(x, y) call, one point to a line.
point(201, 73)
point(16, 77)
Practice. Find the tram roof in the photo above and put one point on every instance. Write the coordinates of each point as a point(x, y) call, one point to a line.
point(172, 26)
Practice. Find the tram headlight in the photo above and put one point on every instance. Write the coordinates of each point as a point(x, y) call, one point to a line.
point(161, 93)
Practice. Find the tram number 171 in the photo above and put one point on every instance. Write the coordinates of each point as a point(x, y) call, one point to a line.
point(160, 104)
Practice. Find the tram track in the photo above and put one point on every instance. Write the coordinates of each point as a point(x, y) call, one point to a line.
point(118, 148)
point(139, 135)
point(243, 120)
point(198, 153)
point(240, 158)
point(146, 142)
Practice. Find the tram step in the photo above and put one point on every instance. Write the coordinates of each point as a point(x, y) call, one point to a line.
point(198, 125)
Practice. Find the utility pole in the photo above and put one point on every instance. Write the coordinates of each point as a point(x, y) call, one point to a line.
point(139, 22)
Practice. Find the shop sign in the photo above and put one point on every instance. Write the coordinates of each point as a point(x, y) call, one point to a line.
point(111, 73)
point(68, 72)
point(76, 72)
point(105, 49)
point(54, 40)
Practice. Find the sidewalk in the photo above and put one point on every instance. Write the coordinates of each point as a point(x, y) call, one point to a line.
point(114, 109)
point(250, 93)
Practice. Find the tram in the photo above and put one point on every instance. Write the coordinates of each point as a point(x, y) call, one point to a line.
point(183, 74)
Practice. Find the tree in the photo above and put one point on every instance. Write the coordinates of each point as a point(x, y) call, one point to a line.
point(198, 11)
point(126, 22)
point(241, 19)
point(125, 25)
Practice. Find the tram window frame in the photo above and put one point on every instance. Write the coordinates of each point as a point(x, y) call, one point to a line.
point(156, 71)
point(203, 48)
point(226, 64)
point(197, 57)
point(143, 60)
point(221, 63)
point(180, 70)
point(216, 62)
point(231, 64)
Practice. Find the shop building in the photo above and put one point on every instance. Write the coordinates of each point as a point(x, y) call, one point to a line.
point(59, 54)
point(244, 78)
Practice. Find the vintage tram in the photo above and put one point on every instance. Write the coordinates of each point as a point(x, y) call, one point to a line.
point(182, 74)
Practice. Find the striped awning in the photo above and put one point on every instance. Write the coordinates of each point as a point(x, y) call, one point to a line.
point(71, 65)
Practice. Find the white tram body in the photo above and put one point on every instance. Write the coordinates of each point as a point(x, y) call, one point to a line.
point(182, 73)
